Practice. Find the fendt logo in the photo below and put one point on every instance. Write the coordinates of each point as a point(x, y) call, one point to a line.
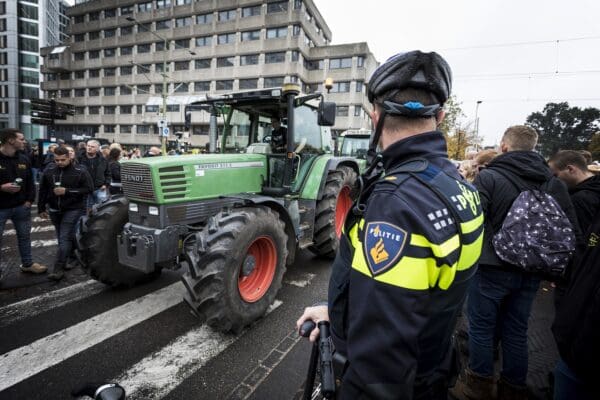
point(133, 178)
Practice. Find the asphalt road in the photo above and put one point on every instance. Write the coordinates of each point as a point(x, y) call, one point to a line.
point(58, 336)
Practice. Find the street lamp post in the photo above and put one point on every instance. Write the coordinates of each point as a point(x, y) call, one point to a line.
point(164, 93)
point(477, 125)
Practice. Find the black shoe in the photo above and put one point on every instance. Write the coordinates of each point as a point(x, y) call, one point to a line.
point(56, 275)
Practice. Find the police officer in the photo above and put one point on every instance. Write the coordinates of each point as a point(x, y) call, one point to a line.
point(409, 248)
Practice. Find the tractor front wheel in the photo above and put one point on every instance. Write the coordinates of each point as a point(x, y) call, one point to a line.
point(332, 209)
point(239, 267)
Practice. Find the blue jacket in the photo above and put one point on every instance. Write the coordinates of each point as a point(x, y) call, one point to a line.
point(401, 275)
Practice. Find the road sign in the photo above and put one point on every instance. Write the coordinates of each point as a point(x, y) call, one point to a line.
point(165, 131)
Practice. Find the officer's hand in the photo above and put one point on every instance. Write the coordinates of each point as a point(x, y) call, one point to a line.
point(44, 215)
point(60, 191)
point(316, 314)
point(10, 188)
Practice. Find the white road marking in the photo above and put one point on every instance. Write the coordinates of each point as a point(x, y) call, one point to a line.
point(302, 283)
point(36, 305)
point(161, 372)
point(36, 243)
point(19, 364)
point(35, 229)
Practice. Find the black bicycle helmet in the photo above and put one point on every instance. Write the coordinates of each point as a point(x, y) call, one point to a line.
point(415, 69)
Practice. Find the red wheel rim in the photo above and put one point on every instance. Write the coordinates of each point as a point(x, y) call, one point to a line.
point(258, 269)
point(344, 202)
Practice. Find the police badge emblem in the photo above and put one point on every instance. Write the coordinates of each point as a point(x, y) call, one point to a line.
point(383, 245)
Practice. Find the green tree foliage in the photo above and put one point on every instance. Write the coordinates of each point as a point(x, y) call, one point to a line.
point(454, 114)
point(561, 127)
point(594, 146)
point(459, 136)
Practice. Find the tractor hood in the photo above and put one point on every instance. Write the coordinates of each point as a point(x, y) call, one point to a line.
point(175, 179)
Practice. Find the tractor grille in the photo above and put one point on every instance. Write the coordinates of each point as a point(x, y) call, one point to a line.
point(173, 182)
point(137, 182)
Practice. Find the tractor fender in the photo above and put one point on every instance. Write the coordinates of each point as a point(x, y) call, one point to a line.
point(277, 205)
point(317, 177)
point(332, 165)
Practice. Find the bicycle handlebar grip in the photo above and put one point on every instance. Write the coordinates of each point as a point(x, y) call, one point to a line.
point(306, 328)
point(326, 353)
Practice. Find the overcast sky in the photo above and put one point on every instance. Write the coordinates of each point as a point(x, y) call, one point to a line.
point(511, 81)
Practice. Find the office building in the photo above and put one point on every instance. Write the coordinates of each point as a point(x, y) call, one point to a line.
point(119, 51)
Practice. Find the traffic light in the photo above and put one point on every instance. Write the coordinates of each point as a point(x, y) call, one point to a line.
point(44, 112)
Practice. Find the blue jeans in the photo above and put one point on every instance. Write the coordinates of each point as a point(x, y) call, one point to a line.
point(65, 224)
point(500, 298)
point(567, 386)
point(96, 197)
point(21, 219)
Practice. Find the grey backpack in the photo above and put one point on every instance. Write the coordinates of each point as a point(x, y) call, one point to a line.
point(536, 235)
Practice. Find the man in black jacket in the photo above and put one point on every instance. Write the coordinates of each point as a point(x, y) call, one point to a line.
point(63, 191)
point(97, 167)
point(584, 187)
point(501, 294)
point(17, 192)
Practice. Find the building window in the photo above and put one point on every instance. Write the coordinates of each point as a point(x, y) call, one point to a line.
point(126, 30)
point(273, 81)
point(163, 3)
point(92, 92)
point(182, 2)
point(251, 11)
point(25, 27)
point(138, 109)
point(341, 111)
point(65, 93)
point(27, 44)
point(181, 87)
point(204, 19)
point(78, 56)
point(278, 32)
point(278, 6)
point(276, 57)
point(94, 35)
point(125, 109)
point(225, 85)
point(94, 16)
point(94, 73)
point(297, 4)
point(313, 65)
point(110, 52)
point(79, 19)
point(182, 44)
point(111, 12)
point(357, 111)
point(202, 64)
point(172, 107)
point(80, 37)
point(142, 129)
point(226, 15)
point(110, 71)
point(164, 24)
point(124, 89)
point(108, 33)
point(94, 110)
point(250, 35)
point(340, 87)
point(182, 65)
point(152, 109)
point(93, 54)
point(32, 77)
point(181, 22)
point(249, 59)
point(126, 10)
point(143, 48)
point(204, 41)
point(109, 128)
point(202, 86)
point(125, 128)
point(80, 74)
point(338, 63)
point(359, 86)
point(160, 67)
point(226, 38)
point(144, 7)
point(79, 110)
point(225, 62)
point(110, 91)
point(158, 88)
point(295, 55)
point(145, 27)
point(79, 93)
point(360, 61)
point(201, 130)
point(125, 51)
point(143, 89)
point(296, 30)
point(248, 83)
point(110, 110)
point(160, 46)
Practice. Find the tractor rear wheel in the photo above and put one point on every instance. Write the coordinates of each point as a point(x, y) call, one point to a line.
point(239, 268)
point(97, 245)
point(332, 209)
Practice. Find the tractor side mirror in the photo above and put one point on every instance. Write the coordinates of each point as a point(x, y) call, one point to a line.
point(326, 113)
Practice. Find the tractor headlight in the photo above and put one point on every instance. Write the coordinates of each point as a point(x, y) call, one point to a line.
point(133, 207)
point(153, 210)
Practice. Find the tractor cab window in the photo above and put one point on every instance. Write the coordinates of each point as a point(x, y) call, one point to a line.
point(355, 147)
point(264, 129)
point(307, 131)
point(236, 130)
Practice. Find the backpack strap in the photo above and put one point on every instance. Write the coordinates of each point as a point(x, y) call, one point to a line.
point(515, 181)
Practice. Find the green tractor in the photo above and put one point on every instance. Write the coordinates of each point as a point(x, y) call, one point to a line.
point(354, 143)
point(233, 218)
